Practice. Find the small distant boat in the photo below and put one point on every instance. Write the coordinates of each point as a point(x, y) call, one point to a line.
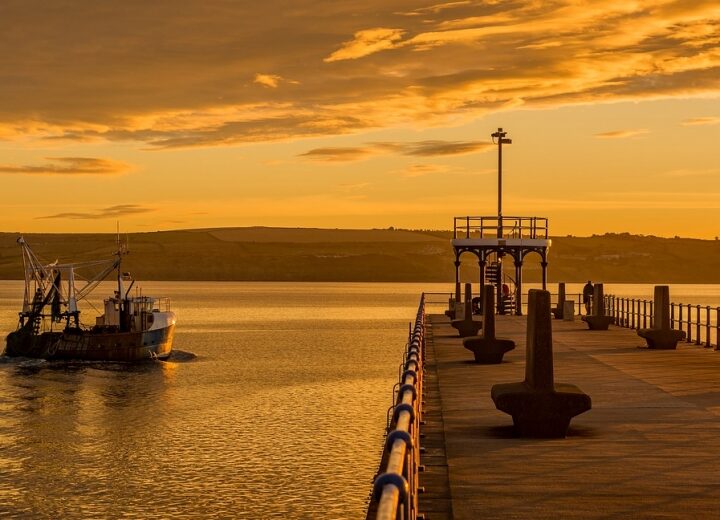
point(132, 328)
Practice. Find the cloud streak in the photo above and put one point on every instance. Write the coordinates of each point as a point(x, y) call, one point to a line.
point(121, 210)
point(430, 148)
point(621, 134)
point(698, 121)
point(68, 166)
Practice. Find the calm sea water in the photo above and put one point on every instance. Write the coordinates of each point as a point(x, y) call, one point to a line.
point(273, 406)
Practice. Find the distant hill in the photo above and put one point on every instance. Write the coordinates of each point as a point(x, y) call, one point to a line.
point(300, 254)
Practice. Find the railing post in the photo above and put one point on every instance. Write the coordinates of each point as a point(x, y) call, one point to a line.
point(467, 229)
point(697, 325)
point(680, 317)
point(689, 323)
point(644, 314)
point(672, 315)
point(707, 327)
point(652, 314)
point(717, 327)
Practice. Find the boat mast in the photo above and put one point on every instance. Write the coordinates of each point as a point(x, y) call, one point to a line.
point(119, 261)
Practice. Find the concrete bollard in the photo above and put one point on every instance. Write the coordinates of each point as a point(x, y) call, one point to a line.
point(466, 326)
point(487, 348)
point(569, 310)
point(539, 406)
point(450, 312)
point(458, 303)
point(661, 336)
point(559, 311)
point(597, 320)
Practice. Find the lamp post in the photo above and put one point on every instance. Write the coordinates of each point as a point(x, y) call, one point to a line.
point(500, 139)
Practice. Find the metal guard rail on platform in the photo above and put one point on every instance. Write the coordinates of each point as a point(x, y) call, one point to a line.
point(695, 320)
point(396, 487)
point(503, 227)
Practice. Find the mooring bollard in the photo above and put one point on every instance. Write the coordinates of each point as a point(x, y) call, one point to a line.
point(487, 348)
point(458, 311)
point(539, 406)
point(597, 320)
point(467, 326)
point(450, 312)
point(661, 336)
point(559, 310)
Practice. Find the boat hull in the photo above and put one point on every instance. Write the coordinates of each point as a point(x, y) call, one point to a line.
point(91, 345)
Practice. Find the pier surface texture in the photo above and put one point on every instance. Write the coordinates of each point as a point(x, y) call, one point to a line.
point(647, 449)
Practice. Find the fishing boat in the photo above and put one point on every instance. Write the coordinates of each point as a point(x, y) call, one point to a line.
point(131, 328)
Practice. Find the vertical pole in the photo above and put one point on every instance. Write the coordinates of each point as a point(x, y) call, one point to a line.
point(482, 264)
point(689, 323)
point(680, 316)
point(498, 285)
point(707, 327)
point(500, 143)
point(518, 280)
point(652, 314)
point(697, 325)
point(500, 135)
point(717, 327)
point(544, 265)
point(457, 272)
point(672, 315)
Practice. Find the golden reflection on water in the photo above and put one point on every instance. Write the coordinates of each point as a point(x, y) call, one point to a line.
point(280, 414)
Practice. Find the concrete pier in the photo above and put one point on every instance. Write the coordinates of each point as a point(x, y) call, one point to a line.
point(647, 449)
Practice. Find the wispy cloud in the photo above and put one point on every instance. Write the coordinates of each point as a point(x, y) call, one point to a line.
point(435, 148)
point(436, 8)
point(366, 42)
point(338, 154)
point(696, 121)
point(121, 210)
point(267, 80)
point(430, 148)
point(421, 170)
point(621, 134)
point(68, 166)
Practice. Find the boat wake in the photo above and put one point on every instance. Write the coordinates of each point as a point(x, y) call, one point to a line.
point(180, 356)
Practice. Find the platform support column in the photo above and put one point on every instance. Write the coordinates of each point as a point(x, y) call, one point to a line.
point(499, 284)
point(518, 288)
point(482, 263)
point(544, 265)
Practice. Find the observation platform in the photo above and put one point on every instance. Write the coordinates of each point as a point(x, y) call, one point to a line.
point(647, 449)
point(497, 237)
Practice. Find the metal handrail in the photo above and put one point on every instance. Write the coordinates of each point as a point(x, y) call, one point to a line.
point(500, 227)
point(695, 320)
point(395, 489)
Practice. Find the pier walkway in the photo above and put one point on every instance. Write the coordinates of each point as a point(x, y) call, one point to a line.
point(649, 448)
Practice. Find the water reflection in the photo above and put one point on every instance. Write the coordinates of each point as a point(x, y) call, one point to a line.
point(273, 405)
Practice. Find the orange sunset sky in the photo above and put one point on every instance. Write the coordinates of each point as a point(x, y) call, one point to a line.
point(339, 114)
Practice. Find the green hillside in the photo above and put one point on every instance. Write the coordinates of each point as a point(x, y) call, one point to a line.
point(277, 254)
